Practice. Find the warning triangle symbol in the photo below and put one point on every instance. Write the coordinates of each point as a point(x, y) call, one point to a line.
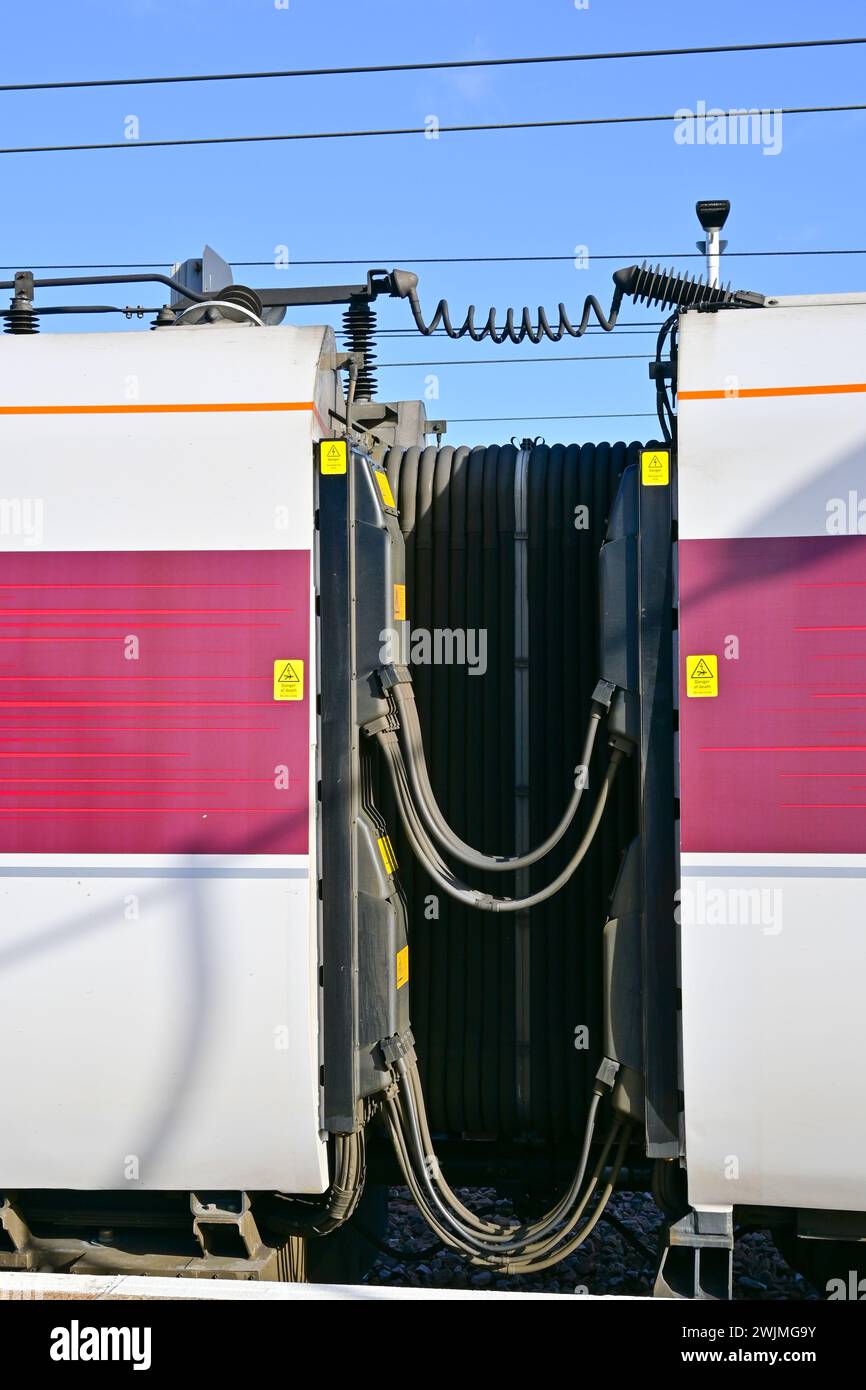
point(701, 671)
point(287, 674)
point(333, 452)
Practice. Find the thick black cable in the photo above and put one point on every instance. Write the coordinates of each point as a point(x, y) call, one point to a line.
point(443, 66)
point(631, 1237)
point(534, 327)
point(666, 416)
point(424, 130)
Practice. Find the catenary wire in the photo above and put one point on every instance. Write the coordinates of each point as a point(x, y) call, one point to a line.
point(448, 64)
point(558, 124)
point(624, 256)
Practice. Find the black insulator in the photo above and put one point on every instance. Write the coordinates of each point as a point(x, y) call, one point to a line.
point(166, 318)
point(663, 289)
point(21, 319)
point(359, 335)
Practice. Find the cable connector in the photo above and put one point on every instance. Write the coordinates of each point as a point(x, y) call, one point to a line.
point(393, 675)
point(485, 902)
point(606, 1076)
point(398, 1047)
point(385, 724)
point(603, 694)
point(620, 744)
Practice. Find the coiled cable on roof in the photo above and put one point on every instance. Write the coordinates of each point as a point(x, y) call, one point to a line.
point(642, 284)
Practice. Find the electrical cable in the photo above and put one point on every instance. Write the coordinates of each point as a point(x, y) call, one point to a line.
point(555, 1256)
point(429, 857)
point(442, 66)
point(294, 1215)
point(468, 1239)
point(431, 814)
point(664, 406)
point(624, 256)
point(512, 1247)
point(489, 1227)
point(560, 124)
point(518, 361)
point(443, 1220)
point(642, 284)
point(531, 1230)
point(495, 260)
point(494, 419)
point(521, 1249)
point(631, 1237)
point(534, 330)
point(350, 392)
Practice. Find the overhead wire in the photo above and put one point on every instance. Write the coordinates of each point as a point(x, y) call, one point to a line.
point(443, 65)
point(518, 361)
point(623, 256)
point(461, 129)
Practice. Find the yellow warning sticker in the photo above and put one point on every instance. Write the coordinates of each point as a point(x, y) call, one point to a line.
point(403, 967)
point(332, 455)
point(386, 849)
point(655, 467)
point(384, 487)
point(288, 680)
point(702, 676)
point(400, 602)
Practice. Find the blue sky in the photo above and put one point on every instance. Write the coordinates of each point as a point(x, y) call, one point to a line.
point(622, 191)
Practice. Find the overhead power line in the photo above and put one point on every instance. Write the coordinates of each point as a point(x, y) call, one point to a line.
point(524, 361)
point(443, 66)
point(490, 419)
point(423, 130)
point(647, 330)
point(622, 257)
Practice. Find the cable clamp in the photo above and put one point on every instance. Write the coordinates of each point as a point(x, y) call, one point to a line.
point(603, 694)
point(620, 744)
point(394, 675)
point(398, 1046)
point(385, 724)
point(606, 1075)
point(661, 371)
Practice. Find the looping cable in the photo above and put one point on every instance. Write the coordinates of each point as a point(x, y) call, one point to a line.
point(643, 284)
point(533, 330)
point(428, 808)
point(512, 1247)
